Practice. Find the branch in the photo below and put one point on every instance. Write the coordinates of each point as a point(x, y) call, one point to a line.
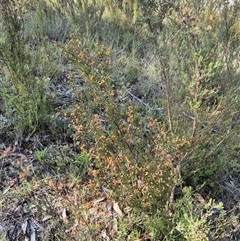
point(142, 102)
point(203, 125)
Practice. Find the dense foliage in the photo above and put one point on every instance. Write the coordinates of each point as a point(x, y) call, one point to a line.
point(154, 112)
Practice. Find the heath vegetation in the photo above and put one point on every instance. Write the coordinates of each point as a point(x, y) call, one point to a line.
point(119, 120)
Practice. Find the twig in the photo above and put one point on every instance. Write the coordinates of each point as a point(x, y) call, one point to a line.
point(219, 143)
point(139, 100)
point(178, 177)
point(203, 125)
point(190, 117)
point(142, 102)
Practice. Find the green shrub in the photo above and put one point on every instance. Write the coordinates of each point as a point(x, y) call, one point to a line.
point(197, 219)
point(23, 91)
point(63, 160)
point(200, 96)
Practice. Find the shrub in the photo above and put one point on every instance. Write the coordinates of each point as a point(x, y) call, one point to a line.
point(198, 219)
point(24, 93)
point(128, 155)
point(195, 70)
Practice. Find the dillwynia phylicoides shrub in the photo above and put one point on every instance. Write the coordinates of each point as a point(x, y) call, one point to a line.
point(130, 156)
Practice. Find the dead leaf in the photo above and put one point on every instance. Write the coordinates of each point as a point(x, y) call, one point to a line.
point(104, 234)
point(24, 227)
point(14, 148)
point(7, 151)
point(115, 224)
point(99, 200)
point(64, 215)
point(32, 230)
point(117, 209)
point(7, 189)
point(46, 218)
